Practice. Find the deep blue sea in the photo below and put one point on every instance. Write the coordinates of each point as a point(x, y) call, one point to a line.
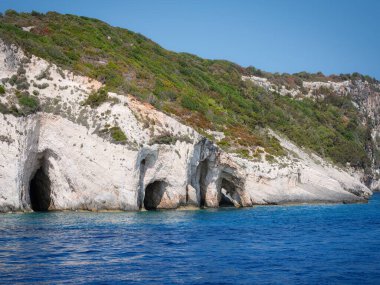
point(307, 244)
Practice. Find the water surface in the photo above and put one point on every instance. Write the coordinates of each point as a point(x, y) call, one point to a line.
point(314, 244)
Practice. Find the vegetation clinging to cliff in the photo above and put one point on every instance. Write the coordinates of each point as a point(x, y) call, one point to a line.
point(206, 94)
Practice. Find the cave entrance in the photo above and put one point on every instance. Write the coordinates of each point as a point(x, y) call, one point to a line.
point(141, 183)
point(40, 192)
point(153, 194)
point(202, 173)
point(229, 196)
point(147, 161)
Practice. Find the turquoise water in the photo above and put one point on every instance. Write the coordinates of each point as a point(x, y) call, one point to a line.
point(314, 244)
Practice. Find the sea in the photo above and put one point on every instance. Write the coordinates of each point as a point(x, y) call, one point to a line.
point(296, 244)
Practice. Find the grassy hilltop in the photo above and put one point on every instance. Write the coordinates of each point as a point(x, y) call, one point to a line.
point(206, 94)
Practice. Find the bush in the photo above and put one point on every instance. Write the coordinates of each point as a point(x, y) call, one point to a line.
point(21, 71)
point(10, 13)
point(41, 86)
point(36, 14)
point(22, 85)
point(244, 153)
point(96, 99)
point(29, 104)
point(163, 139)
point(269, 158)
point(190, 103)
point(118, 135)
point(2, 90)
point(20, 81)
point(45, 74)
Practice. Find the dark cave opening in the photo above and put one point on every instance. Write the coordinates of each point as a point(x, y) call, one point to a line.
point(141, 183)
point(202, 172)
point(153, 194)
point(40, 192)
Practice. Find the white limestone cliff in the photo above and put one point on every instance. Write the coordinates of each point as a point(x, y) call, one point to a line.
point(365, 97)
point(61, 158)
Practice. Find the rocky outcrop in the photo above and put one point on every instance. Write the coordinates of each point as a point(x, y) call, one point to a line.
point(64, 157)
point(365, 97)
point(76, 169)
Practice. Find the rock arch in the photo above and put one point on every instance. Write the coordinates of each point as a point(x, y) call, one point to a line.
point(230, 190)
point(203, 174)
point(202, 182)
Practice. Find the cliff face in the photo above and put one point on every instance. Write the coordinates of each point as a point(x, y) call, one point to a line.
point(364, 95)
point(122, 154)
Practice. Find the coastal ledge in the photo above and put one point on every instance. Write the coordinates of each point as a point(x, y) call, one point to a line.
point(195, 208)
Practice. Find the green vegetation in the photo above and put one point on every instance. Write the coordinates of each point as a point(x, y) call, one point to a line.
point(167, 138)
point(163, 139)
point(270, 158)
point(19, 81)
point(115, 133)
point(41, 86)
point(45, 74)
point(2, 90)
point(295, 79)
point(96, 99)
point(206, 94)
point(29, 104)
point(118, 135)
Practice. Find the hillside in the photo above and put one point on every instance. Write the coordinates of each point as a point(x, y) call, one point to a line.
point(229, 104)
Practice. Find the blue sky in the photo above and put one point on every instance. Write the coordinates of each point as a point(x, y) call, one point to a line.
point(332, 36)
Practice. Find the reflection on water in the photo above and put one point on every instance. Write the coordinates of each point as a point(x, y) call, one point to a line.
point(297, 244)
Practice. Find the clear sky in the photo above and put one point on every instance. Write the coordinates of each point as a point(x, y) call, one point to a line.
point(332, 36)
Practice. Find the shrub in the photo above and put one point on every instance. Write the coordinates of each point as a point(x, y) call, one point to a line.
point(165, 138)
point(45, 74)
point(41, 86)
point(36, 14)
point(2, 90)
point(190, 103)
point(13, 79)
point(22, 85)
point(244, 153)
point(224, 144)
point(29, 104)
point(96, 99)
point(20, 81)
point(21, 71)
point(118, 135)
point(269, 158)
point(10, 13)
